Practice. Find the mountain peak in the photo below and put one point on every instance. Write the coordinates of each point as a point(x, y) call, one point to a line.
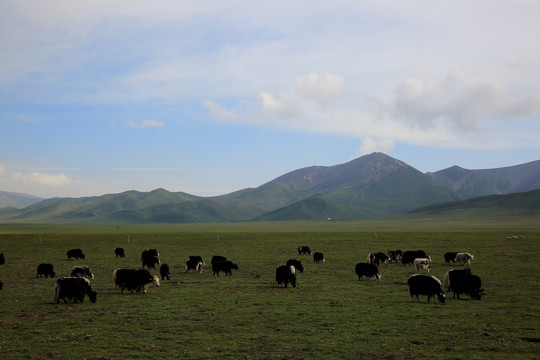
point(377, 160)
point(159, 191)
point(365, 169)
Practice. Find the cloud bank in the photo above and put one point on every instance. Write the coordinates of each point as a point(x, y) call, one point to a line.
point(411, 71)
point(454, 110)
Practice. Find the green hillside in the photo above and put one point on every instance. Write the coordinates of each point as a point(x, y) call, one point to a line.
point(526, 204)
point(315, 207)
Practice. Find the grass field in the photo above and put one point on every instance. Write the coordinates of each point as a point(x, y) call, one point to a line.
point(330, 315)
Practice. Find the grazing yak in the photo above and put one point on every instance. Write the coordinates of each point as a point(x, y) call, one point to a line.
point(217, 258)
point(463, 282)
point(194, 264)
point(286, 274)
point(1, 285)
point(318, 257)
point(165, 272)
point(134, 279)
point(296, 263)
point(75, 253)
point(421, 264)
point(409, 256)
point(377, 258)
point(119, 252)
point(304, 250)
point(450, 256)
point(198, 258)
point(45, 270)
point(224, 266)
point(464, 258)
point(149, 258)
point(73, 288)
point(370, 271)
point(425, 285)
point(81, 271)
point(2, 259)
point(395, 255)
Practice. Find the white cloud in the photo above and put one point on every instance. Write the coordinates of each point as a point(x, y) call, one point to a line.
point(146, 124)
point(458, 102)
point(300, 106)
point(311, 90)
point(322, 89)
point(36, 179)
point(270, 103)
point(219, 112)
point(152, 123)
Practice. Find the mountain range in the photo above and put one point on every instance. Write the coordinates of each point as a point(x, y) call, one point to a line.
point(370, 186)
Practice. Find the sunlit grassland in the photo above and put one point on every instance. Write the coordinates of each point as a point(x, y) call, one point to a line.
point(330, 315)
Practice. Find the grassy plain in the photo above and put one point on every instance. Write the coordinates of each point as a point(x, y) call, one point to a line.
point(330, 315)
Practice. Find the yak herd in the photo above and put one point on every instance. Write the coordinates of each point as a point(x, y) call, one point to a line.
point(459, 281)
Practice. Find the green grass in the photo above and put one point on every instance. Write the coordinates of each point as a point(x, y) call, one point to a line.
point(330, 315)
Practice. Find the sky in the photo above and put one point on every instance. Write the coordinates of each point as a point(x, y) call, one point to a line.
point(210, 97)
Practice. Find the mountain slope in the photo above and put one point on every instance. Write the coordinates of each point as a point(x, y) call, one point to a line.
point(249, 203)
point(314, 207)
point(474, 183)
point(323, 179)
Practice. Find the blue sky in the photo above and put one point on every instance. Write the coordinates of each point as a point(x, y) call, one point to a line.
point(210, 97)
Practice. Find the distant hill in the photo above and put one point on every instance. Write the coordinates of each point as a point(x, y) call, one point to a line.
point(126, 207)
point(474, 183)
point(17, 200)
point(371, 186)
